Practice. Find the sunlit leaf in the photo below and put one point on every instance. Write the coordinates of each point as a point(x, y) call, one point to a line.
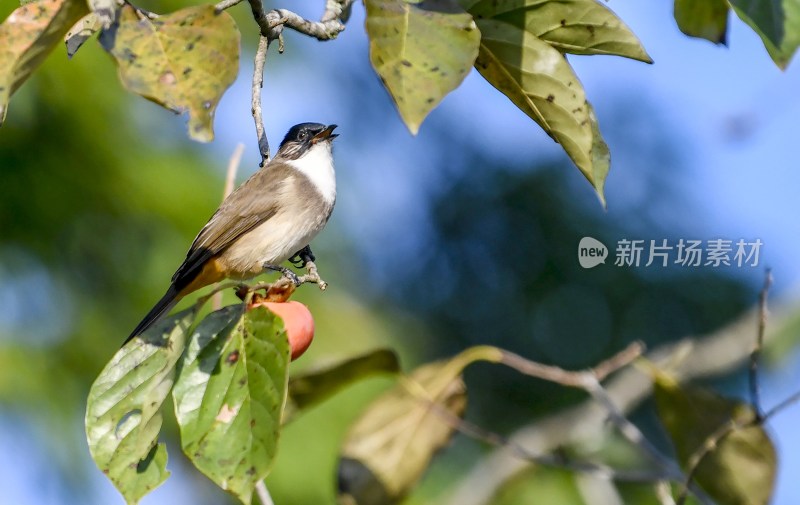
point(421, 51)
point(230, 394)
point(740, 469)
point(26, 38)
point(81, 32)
point(315, 386)
point(707, 19)
point(122, 414)
point(571, 26)
point(538, 80)
point(390, 446)
point(777, 22)
point(183, 61)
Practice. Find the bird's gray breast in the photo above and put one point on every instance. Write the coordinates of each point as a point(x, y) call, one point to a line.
point(301, 213)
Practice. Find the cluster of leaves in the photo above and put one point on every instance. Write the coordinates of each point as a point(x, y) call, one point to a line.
point(775, 21)
point(232, 395)
point(423, 50)
point(185, 61)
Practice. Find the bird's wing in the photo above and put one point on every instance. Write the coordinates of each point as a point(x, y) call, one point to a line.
point(254, 202)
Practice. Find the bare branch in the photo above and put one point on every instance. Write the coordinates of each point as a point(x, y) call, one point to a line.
point(709, 445)
point(572, 379)
point(263, 493)
point(258, 83)
point(555, 460)
point(272, 23)
point(320, 30)
point(714, 354)
point(227, 4)
point(664, 493)
point(782, 405)
point(755, 394)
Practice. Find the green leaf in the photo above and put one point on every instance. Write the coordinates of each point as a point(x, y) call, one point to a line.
point(777, 22)
point(183, 61)
point(122, 414)
point(538, 80)
point(315, 386)
point(741, 469)
point(707, 19)
point(392, 443)
point(230, 395)
point(571, 26)
point(81, 32)
point(26, 38)
point(421, 51)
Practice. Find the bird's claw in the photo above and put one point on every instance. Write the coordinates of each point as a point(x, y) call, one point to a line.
point(287, 273)
point(302, 257)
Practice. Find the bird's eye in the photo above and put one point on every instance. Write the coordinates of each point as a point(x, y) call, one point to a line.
point(303, 135)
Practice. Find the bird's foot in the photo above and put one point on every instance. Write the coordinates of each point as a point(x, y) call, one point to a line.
point(302, 257)
point(287, 273)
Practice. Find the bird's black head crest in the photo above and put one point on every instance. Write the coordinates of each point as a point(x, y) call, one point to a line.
point(302, 132)
point(302, 136)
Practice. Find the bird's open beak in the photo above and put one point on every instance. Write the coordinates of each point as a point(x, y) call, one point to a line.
point(326, 134)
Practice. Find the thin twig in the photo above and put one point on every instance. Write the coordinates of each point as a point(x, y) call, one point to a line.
point(550, 460)
point(794, 398)
point(709, 445)
point(263, 493)
point(755, 356)
point(663, 492)
point(271, 23)
point(230, 178)
point(227, 4)
point(258, 83)
point(629, 430)
point(590, 382)
point(572, 379)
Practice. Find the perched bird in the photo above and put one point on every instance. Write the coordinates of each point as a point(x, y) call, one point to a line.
point(269, 219)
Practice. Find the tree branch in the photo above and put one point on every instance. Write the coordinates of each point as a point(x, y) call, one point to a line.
point(263, 493)
point(711, 355)
point(271, 23)
point(755, 394)
point(258, 83)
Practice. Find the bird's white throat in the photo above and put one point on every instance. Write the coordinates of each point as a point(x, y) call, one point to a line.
point(317, 165)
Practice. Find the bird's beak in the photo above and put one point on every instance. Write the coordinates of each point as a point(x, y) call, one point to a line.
point(326, 134)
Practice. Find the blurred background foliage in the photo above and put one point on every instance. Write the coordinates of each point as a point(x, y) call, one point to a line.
point(101, 195)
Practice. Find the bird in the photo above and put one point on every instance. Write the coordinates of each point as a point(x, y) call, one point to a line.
point(271, 218)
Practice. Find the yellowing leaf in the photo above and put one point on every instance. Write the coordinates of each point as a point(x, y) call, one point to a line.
point(740, 469)
point(183, 61)
point(571, 26)
point(390, 446)
point(122, 413)
point(538, 80)
point(230, 394)
point(422, 51)
point(707, 19)
point(81, 32)
point(26, 38)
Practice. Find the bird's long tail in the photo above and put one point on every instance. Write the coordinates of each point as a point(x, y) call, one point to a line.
point(169, 300)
